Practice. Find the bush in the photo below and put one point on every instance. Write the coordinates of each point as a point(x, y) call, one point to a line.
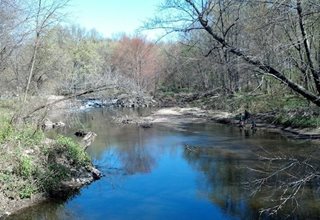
point(74, 151)
point(297, 120)
point(25, 167)
point(27, 191)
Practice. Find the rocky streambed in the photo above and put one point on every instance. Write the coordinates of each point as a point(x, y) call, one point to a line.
point(120, 101)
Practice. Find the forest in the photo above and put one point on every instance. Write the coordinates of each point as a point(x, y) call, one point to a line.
point(245, 48)
point(228, 55)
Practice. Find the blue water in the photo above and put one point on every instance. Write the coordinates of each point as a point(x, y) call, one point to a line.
point(149, 173)
point(163, 187)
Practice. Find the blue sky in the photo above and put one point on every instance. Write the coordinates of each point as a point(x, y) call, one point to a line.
point(111, 17)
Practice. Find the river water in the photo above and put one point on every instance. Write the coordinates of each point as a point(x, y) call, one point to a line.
point(186, 171)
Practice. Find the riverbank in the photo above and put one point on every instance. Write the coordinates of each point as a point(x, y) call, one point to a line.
point(177, 115)
point(291, 124)
point(282, 110)
point(295, 123)
point(35, 168)
point(33, 171)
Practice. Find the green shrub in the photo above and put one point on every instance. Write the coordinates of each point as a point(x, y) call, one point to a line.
point(297, 120)
point(75, 152)
point(25, 167)
point(27, 191)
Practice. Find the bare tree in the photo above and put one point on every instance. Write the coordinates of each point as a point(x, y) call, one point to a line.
point(209, 16)
point(46, 13)
point(12, 21)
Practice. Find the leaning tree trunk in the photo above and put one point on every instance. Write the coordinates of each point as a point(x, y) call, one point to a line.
point(262, 66)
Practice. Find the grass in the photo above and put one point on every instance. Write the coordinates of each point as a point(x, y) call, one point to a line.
point(29, 164)
point(297, 120)
point(4, 178)
point(290, 110)
point(24, 165)
point(6, 129)
point(70, 154)
point(26, 191)
point(17, 168)
point(74, 151)
point(29, 136)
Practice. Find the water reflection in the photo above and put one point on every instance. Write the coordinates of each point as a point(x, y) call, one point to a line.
point(244, 185)
point(187, 171)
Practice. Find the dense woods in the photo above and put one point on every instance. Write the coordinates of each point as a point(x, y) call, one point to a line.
point(39, 56)
point(239, 43)
point(233, 47)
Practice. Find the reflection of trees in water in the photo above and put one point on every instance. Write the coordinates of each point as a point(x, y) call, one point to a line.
point(288, 181)
point(223, 178)
point(137, 159)
point(130, 147)
point(280, 183)
point(127, 155)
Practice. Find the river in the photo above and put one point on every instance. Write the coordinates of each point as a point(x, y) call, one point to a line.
point(185, 171)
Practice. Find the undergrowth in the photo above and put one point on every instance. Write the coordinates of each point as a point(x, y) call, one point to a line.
point(25, 168)
point(75, 152)
point(287, 109)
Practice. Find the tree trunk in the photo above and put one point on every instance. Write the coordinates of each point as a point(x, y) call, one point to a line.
point(262, 66)
point(33, 60)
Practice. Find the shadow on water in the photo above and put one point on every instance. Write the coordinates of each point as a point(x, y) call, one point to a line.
point(188, 171)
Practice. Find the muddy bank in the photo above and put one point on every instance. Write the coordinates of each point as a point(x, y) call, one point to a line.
point(175, 116)
point(178, 115)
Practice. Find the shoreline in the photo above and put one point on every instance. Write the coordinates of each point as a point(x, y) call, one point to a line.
point(57, 169)
point(174, 115)
point(169, 116)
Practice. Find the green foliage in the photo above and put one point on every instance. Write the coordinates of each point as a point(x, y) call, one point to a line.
point(29, 136)
point(6, 129)
point(25, 167)
point(26, 135)
point(16, 188)
point(5, 177)
point(27, 190)
point(290, 110)
point(297, 120)
point(75, 152)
